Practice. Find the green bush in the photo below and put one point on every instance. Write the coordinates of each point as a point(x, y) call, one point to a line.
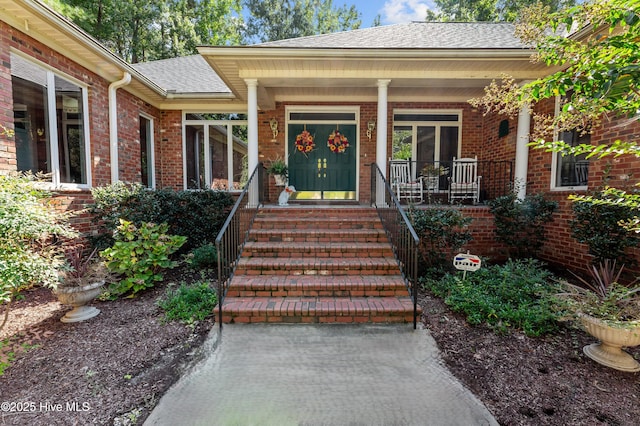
point(517, 295)
point(205, 256)
point(520, 224)
point(140, 254)
point(196, 214)
point(442, 232)
point(29, 238)
point(189, 303)
point(599, 227)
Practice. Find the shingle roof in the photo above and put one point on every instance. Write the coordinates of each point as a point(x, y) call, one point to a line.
point(188, 74)
point(415, 35)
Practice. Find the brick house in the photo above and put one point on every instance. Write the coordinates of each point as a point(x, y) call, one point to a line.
point(180, 122)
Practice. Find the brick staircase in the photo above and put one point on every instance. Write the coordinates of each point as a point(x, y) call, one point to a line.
point(312, 264)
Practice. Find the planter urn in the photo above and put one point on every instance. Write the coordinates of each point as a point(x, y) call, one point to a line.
point(609, 351)
point(281, 180)
point(78, 297)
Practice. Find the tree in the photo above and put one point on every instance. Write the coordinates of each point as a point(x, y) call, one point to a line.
point(486, 10)
point(156, 29)
point(271, 20)
point(600, 81)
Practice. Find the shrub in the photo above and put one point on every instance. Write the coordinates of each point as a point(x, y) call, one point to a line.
point(520, 224)
point(196, 214)
point(599, 227)
point(29, 228)
point(442, 233)
point(140, 254)
point(205, 256)
point(517, 295)
point(189, 302)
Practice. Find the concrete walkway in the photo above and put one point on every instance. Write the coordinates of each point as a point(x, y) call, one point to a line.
point(326, 375)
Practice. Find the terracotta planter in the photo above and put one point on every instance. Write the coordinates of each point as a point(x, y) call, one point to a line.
point(281, 180)
point(78, 297)
point(612, 339)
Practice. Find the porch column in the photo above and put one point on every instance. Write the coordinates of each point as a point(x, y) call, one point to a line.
point(252, 136)
point(522, 152)
point(381, 137)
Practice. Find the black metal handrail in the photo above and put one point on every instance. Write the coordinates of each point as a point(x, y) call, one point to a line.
point(233, 234)
point(403, 237)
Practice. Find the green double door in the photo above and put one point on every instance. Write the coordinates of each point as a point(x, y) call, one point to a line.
point(323, 174)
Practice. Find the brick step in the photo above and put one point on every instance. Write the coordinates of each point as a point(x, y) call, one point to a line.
point(317, 266)
point(317, 285)
point(317, 310)
point(331, 250)
point(319, 235)
point(307, 213)
point(292, 221)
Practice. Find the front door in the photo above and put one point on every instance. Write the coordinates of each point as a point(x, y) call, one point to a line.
point(323, 173)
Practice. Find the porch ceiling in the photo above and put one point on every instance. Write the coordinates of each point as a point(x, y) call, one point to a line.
point(324, 75)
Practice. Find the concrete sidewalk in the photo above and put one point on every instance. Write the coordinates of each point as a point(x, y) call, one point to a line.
point(320, 375)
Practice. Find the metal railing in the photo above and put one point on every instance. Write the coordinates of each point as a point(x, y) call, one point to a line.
point(496, 181)
point(233, 234)
point(403, 237)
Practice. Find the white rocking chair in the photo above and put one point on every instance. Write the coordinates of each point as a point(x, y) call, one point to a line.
point(464, 182)
point(402, 183)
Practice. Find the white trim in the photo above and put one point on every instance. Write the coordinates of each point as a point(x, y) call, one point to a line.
point(151, 154)
point(321, 109)
point(52, 122)
point(554, 162)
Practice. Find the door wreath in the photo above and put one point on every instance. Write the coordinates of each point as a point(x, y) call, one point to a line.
point(304, 142)
point(337, 142)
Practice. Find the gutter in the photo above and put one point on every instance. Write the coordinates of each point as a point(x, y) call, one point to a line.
point(113, 124)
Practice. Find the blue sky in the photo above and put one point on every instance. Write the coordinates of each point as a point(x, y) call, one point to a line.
point(390, 11)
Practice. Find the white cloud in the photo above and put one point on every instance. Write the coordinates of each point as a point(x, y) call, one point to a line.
point(402, 11)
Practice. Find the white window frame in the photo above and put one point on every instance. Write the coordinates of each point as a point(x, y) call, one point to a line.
point(151, 154)
point(555, 157)
point(207, 156)
point(52, 121)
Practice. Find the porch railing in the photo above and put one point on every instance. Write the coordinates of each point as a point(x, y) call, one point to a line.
point(497, 179)
point(403, 237)
point(233, 234)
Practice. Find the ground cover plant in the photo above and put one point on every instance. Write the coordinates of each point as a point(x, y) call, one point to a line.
point(515, 296)
point(189, 302)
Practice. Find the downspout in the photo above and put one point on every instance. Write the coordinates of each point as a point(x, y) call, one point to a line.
point(113, 124)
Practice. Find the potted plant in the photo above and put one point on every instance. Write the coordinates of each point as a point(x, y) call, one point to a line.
point(278, 168)
point(431, 173)
point(81, 282)
point(609, 311)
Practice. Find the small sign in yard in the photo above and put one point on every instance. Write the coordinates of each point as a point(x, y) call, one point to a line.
point(466, 262)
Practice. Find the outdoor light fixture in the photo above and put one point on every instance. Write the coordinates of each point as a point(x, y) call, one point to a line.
point(370, 126)
point(273, 123)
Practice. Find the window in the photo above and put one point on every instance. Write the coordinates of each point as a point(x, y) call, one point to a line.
point(51, 130)
point(146, 152)
point(215, 153)
point(570, 171)
point(426, 137)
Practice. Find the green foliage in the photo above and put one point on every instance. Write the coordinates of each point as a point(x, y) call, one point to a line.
point(517, 295)
point(148, 30)
point(140, 254)
point(8, 350)
point(486, 10)
point(205, 256)
point(520, 225)
point(442, 232)
point(189, 302)
point(599, 225)
point(196, 214)
point(271, 20)
point(29, 228)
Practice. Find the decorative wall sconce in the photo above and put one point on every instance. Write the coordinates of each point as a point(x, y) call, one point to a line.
point(273, 123)
point(40, 132)
point(371, 125)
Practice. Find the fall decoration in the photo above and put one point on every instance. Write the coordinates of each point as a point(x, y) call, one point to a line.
point(337, 142)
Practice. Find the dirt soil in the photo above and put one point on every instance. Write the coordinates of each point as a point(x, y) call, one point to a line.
point(113, 368)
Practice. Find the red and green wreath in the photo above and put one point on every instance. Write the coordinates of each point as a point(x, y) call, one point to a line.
point(337, 142)
point(304, 142)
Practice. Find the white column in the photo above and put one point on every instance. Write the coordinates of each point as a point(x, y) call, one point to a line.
point(252, 136)
point(522, 152)
point(381, 138)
